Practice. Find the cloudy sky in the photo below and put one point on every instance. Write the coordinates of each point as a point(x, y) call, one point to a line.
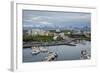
point(43, 19)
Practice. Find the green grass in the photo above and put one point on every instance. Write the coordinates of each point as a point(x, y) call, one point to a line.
point(38, 38)
point(49, 38)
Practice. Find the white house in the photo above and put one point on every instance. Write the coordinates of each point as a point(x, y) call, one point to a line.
point(62, 35)
point(55, 37)
point(38, 32)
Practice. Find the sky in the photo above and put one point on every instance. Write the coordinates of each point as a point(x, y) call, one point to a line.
point(53, 19)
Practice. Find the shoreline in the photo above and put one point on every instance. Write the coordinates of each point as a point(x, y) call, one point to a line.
point(47, 44)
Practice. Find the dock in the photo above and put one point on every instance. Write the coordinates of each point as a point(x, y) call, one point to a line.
point(27, 45)
point(38, 44)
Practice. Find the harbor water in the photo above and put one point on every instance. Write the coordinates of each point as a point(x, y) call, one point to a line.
point(64, 52)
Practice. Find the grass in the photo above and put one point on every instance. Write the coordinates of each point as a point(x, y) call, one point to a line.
point(39, 38)
point(49, 38)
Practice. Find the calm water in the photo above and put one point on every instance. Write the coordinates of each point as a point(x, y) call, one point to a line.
point(64, 52)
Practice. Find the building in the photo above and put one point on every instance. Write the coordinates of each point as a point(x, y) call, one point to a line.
point(68, 32)
point(62, 35)
point(87, 33)
point(78, 32)
point(29, 32)
point(25, 32)
point(38, 32)
point(57, 30)
point(55, 37)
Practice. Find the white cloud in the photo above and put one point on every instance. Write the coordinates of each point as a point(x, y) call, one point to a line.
point(44, 22)
point(33, 19)
point(54, 19)
point(36, 18)
point(27, 20)
point(27, 25)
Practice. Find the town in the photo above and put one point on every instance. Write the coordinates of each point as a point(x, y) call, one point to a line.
point(49, 36)
point(38, 39)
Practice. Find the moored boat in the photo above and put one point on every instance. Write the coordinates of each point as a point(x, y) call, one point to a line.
point(51, 56)
point(35, 50)
point(43, 49)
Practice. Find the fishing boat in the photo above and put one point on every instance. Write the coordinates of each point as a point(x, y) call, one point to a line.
point(51, 56)
point(85, 54)
point(35, 50)
point(43, 49)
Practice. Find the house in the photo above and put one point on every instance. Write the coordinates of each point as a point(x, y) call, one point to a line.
point(38, 32)
point(87, 33)
point(57, 30)
point(78, 32)
point(55, 37)
point(62, 35)
point(25, 32)
point(68, 32)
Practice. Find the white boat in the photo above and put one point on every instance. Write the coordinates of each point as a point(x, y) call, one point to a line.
point(42, 49)
point(85, 54)
point(35, 50)
point(51, 56)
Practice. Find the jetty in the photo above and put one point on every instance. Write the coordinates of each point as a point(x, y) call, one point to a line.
point(53, 43)
point(35, 44)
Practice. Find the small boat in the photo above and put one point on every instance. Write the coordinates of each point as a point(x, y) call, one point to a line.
point(85, 54)
point(35, 50)
point(51, 56)
point(42, 49)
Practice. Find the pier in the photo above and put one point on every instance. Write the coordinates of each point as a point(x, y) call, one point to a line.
point(37, 44)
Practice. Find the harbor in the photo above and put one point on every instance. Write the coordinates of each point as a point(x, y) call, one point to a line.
point(57, 53)
point(55, 36)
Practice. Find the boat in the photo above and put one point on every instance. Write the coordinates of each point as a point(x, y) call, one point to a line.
point(42, 49)
point(85, 54)
point(35, 50)
point(51, 56)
